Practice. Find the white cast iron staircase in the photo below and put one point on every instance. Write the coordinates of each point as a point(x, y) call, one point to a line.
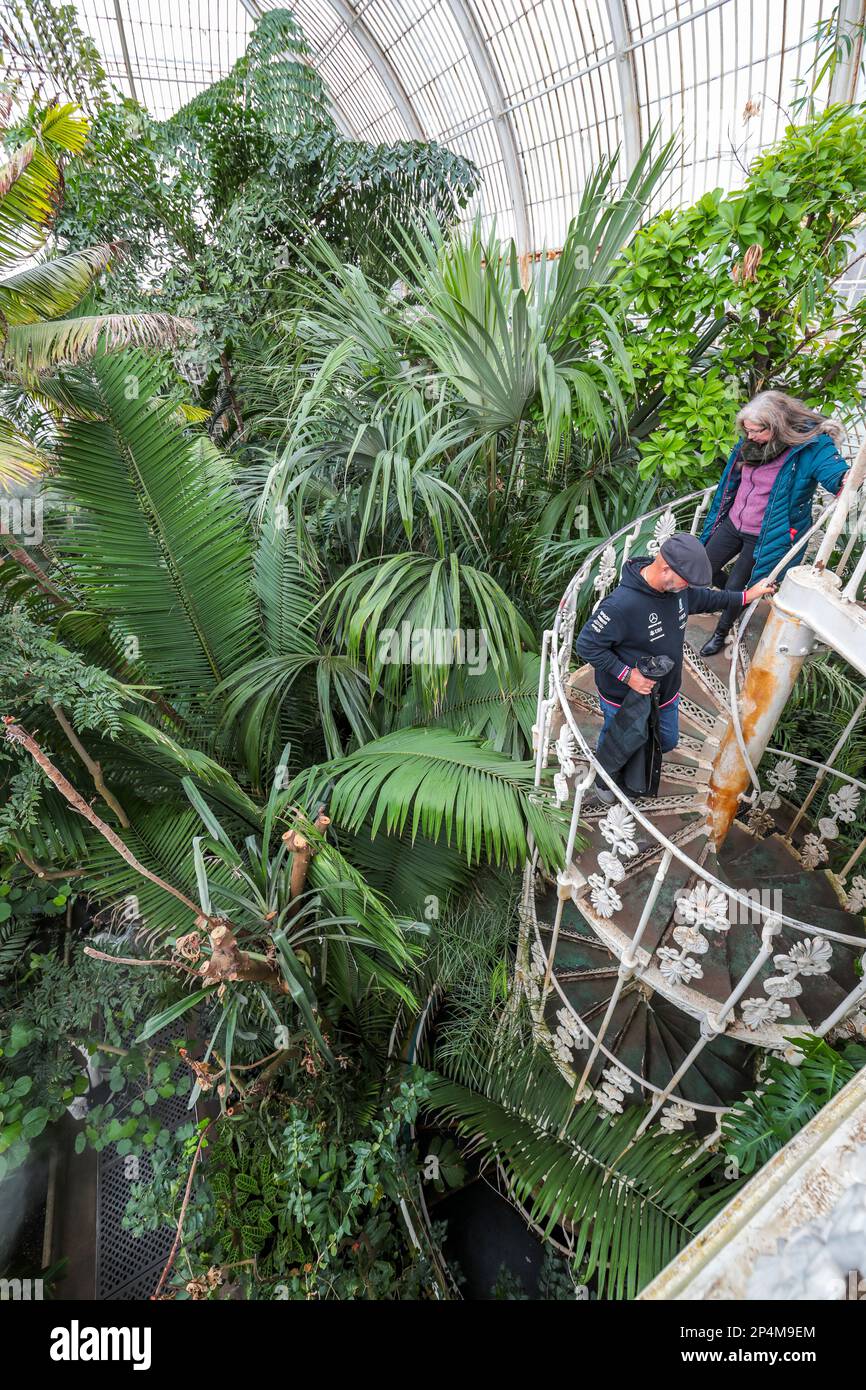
point(657, 960)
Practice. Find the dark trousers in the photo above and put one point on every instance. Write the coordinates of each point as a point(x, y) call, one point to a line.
point(725, 543)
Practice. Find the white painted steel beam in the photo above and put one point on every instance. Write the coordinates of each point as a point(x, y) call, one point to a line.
point(503, 124)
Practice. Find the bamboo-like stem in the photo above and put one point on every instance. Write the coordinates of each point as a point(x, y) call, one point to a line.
point(15, 734)
point(172, 1254)
point(93, 767)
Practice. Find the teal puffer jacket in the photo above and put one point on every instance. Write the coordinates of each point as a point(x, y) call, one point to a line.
point(789, 506)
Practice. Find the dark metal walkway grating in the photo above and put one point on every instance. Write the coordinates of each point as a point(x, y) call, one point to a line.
point(128, 1267)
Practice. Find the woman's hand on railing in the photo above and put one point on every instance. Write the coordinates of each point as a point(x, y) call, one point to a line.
point(764, 589)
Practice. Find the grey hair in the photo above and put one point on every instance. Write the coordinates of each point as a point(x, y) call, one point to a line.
point(790, 419)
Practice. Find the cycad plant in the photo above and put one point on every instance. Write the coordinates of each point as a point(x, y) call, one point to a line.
point(625, 1204)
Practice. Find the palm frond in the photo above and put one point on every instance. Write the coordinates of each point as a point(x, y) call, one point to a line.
point(31, 348)
point(500, 711)
point(20, 460)
point(30, 183)
point(53, 287)
point(434, 780)
point(414, 611)
point(629, 1204)
point(169, 563)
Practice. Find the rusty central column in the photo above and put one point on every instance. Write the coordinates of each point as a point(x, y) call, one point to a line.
point(785, 643)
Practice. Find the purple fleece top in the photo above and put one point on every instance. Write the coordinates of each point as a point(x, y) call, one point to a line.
point(753, 494)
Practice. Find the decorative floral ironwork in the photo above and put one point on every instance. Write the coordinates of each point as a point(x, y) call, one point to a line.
point(855, 899)
point(566, 750)
point(843, 805)
point(757, 1012)
point(606, 570)
point(612, 867)
point(759, 820)
point(814, 852)
point(664, 529)
point(811, 956)
point(616, 1085)
point(618, 828)
point(690, 939)
point(675, 1116)
point(677, 967)
point(605, 899)
point(704, 907)
point(782, 779)
point(569, 1037)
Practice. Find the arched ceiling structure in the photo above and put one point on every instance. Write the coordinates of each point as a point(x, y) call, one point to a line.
point(533, 91)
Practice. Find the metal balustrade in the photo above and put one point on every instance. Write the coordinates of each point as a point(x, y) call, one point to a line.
point(757, 1007)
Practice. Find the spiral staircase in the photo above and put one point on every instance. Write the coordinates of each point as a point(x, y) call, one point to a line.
point(676, 941)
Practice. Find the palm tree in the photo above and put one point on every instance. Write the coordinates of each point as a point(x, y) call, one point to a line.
point(37, 335)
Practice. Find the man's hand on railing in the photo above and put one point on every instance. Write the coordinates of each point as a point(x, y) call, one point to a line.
point(761, 590)
point(639, 682)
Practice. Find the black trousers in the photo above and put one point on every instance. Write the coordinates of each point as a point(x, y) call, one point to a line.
point(725, 543)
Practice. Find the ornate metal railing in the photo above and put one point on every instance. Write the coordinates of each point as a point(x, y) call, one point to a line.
point(709, 906)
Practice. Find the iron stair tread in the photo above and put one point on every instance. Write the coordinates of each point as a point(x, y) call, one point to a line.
point(581, 955)
point(810, 893)
point(587, 992)
point(695, 1085)
point(628, 1045)
point(724, 1069)
point(573, 921)
point(661, 1062)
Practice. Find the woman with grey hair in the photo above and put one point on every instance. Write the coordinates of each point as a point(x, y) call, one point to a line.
point(763, 503)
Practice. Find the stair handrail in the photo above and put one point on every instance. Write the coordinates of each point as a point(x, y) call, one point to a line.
point(836, 511)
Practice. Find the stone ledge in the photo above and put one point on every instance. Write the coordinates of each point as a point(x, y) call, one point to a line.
point(802, 1184)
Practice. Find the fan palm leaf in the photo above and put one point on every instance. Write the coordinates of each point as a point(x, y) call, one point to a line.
point(416, 610)
point(501, 712)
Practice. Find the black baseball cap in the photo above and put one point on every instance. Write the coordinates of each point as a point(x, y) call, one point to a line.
point(687, 558)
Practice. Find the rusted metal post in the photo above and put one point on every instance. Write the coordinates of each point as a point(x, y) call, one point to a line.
point(784, 645)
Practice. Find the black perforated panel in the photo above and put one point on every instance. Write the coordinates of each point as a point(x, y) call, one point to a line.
point(120, 1257)
point(128, 1268)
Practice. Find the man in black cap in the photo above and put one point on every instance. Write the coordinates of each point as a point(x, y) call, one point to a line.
point(646, 615)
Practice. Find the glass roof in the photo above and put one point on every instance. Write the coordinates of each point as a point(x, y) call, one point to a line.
point(532, 90)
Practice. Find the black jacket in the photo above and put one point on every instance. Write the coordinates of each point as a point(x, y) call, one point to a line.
point(636, 620)
point(630, 748)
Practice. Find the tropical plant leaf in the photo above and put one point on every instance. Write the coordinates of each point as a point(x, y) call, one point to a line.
point(433, 780)
point(171, 565)
point(630, 1204)
point(31, 348)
